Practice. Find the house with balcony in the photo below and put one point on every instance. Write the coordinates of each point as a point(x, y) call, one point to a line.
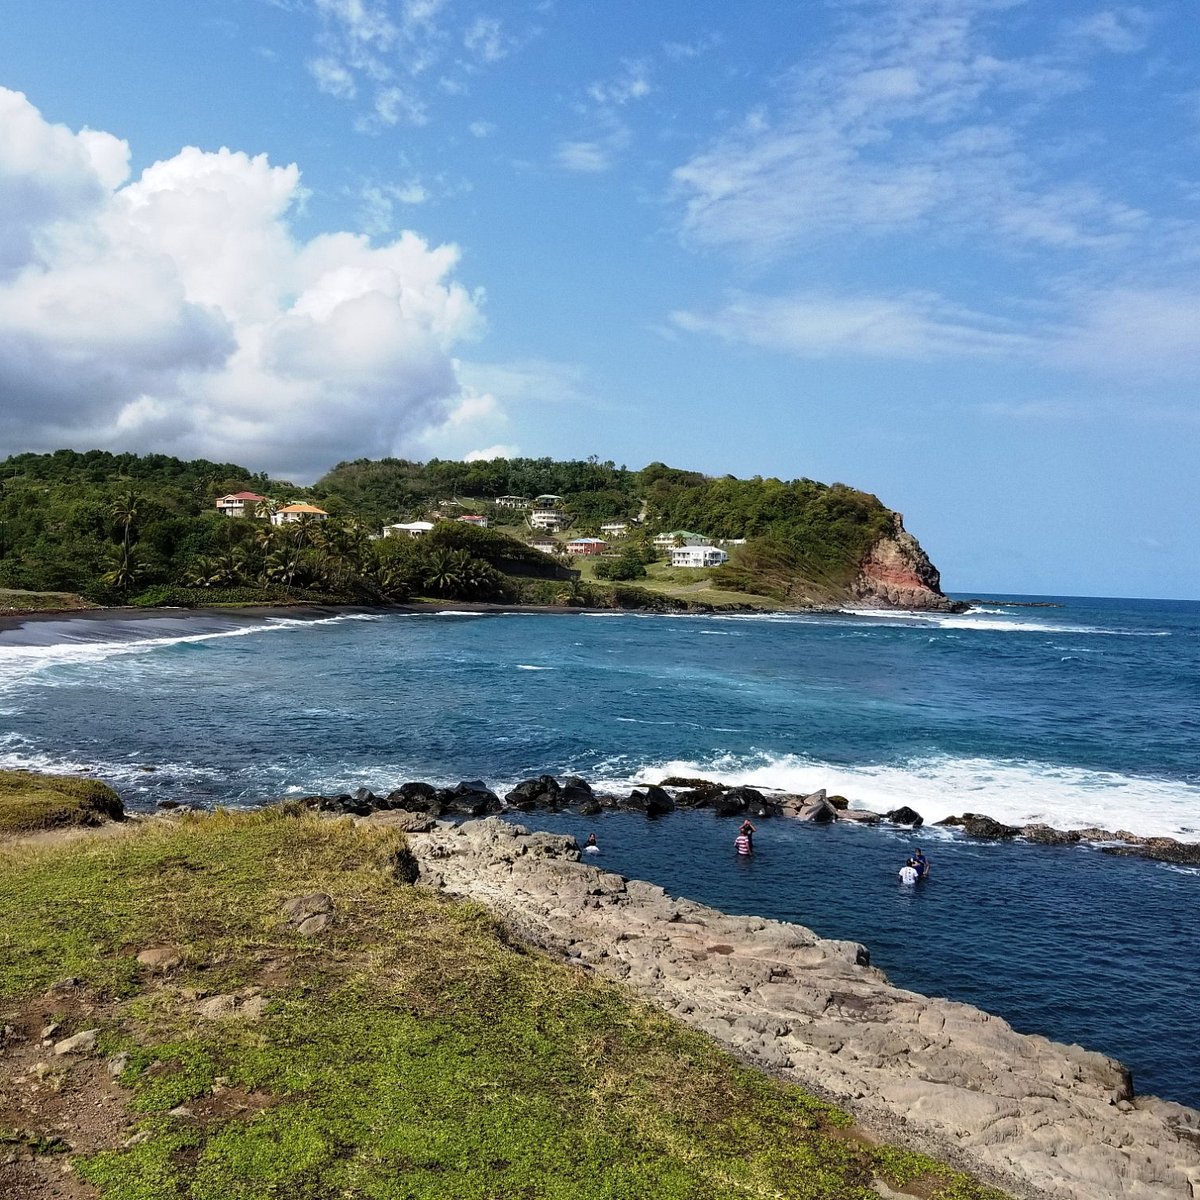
point(680, 537)
point(473, 519)
point(513, 502)
point(615, 529)
point(289, 514)
point(548, 520)
point(240, 504)
point(697, 556)
point(586, 545)
point(547, 500)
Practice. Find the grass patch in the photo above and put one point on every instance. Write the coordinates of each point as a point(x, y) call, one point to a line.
point(411, 1050)
point(30, 802)
point(17, 600)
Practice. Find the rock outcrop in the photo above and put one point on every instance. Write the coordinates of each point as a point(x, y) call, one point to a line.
point(1043, 1119)
point(897, 573)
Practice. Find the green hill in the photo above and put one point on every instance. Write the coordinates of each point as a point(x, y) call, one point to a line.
point(123, 528)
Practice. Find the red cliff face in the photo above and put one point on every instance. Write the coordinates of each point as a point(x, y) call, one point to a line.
point(898, 574)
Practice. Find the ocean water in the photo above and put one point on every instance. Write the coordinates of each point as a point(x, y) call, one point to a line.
point(1082, 714)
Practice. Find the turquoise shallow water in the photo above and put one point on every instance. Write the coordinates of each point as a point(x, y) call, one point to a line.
point(1082, 714)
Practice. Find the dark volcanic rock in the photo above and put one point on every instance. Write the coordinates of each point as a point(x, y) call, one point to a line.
point(976, 825)
point(653, 801)
point(695, 798)
point(471, 798)
point(740, 801)
point(542, 792)
point(904, 816)
point(699, 785)
point(577, 793)
point(820, 811)
point(1161, 849)
point(1046, 836)
point(415, 797)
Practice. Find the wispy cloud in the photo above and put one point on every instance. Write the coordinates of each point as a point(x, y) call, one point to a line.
point(585, 157)
point(383, 53)
point(486, 39)
point(632, 82)
point(1122, 29)
point(914, 326)
point(911, 119)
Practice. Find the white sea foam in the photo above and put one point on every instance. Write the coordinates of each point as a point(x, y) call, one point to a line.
point(986, 619)
point(1012, 791)
point(531, 667)
point(20, 662)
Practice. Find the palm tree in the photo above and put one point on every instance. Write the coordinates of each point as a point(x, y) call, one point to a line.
point(125, 571)
point(126, 509)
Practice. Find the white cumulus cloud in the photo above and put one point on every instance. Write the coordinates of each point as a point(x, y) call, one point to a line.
point(178, 311)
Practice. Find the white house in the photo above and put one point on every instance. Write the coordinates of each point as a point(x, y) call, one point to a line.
point(547, 500)
point(697, 556)
point(511, 502)
point(472, 519)
point(586, 545)
point(615, 529)
point(548, 520)
point(547, 545)
point(291, 513)
point(665, 541)
point(408, 529)
point(240, 504)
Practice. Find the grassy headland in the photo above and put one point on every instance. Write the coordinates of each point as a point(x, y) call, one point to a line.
point(123, 529)
point(407, 1049)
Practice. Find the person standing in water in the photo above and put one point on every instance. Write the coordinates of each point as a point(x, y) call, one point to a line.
point(590, 846)
point(744, 842)
point(920, 863)
point(908, 873)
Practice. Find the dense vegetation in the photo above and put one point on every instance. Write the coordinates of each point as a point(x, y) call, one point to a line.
point(409, 1051)
point(124, 528)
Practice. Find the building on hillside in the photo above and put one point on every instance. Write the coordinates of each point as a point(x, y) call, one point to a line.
point(512, 502)
point(547, 545)
point(290, 513)
point(472, 519)
point(408, 529)
point(615, 529)
point(548, 520)
point(547, 500)
point(240, 504)
point(586, 545)
point(665, 541)
point(697, 556)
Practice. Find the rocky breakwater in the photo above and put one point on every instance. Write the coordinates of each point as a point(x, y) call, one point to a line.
point(1120, 842)
point(1041, 1118)
point(897, 573)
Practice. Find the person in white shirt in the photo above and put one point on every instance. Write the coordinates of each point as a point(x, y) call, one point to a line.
point(908, 873)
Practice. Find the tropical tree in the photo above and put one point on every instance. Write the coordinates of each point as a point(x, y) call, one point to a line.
point(125, 510)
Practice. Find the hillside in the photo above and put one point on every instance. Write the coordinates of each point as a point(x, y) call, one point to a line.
point(123, 528)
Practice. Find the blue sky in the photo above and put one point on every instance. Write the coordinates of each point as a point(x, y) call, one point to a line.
point(943, 250)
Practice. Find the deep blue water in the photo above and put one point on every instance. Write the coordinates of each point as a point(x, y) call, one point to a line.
point(1087, 713)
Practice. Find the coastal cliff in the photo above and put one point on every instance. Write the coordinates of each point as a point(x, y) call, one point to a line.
point(897, 573)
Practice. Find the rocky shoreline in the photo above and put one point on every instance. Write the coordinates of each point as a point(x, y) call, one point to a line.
point(474, 798)
point(1041, 1118)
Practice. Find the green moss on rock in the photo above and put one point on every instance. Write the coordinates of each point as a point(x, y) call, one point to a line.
point(30, 802)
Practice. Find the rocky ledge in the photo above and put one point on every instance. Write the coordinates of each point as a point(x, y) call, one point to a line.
point(473, 798)
point(1042, 1119)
